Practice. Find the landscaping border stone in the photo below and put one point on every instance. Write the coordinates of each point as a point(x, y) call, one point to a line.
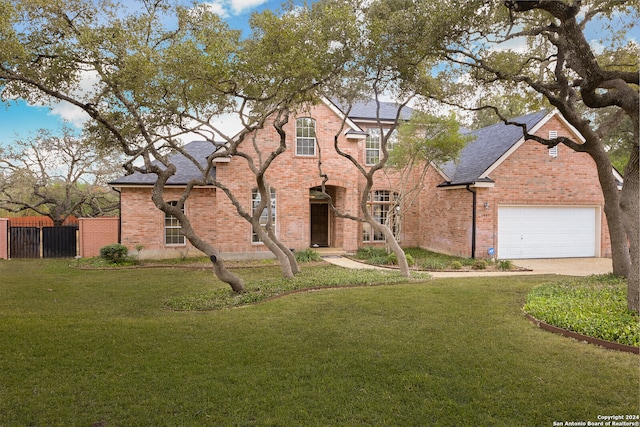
point(591, 340)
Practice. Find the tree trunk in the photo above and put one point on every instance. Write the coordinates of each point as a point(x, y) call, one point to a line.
point(293, 264)
point(236, 283)
point(613, 214)
point(394, 245)
point(283, 259)
point(630, 206)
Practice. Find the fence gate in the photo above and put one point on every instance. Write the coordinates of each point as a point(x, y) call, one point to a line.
point(42, 241)
point(24, 242)
point(59, 242)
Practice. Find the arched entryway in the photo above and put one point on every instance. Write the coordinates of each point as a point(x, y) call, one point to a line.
point(320, 219)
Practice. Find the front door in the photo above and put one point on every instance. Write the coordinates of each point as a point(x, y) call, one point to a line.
point(319, 224)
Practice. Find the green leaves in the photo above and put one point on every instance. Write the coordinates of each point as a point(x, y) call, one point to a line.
point(427, 138)
point(595, 306)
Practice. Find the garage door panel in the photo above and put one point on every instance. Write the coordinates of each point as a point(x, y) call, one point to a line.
point(546, 232)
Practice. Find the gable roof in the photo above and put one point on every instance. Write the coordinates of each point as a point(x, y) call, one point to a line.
point(488, 147)
point(185, 169)
point(367, 110)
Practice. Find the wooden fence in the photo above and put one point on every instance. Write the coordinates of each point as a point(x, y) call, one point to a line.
point(38, 238)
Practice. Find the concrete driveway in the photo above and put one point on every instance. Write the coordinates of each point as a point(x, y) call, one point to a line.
point(567, 266)
point(560, 266)
point(564, 266)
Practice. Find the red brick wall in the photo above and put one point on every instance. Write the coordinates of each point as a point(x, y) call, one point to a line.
point(529, 176)
point(143, 223)
point(4, 238)
point(440, 219)
point(94, 233)
point(446, 223)
point(213, 214)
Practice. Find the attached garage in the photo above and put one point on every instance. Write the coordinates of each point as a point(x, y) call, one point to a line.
point(547, 232)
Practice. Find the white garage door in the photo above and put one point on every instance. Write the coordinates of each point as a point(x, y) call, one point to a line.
point(546, 232)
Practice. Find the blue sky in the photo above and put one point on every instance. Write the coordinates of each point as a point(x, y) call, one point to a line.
point(19, 120)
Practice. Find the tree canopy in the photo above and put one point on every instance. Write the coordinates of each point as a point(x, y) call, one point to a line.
point(541, 47)
point(57, 176)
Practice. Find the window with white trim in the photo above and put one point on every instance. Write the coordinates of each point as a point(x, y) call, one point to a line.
point(264, 216)
point(373, 150)
point(382, 207)
point(305, 137)
point(172, 228)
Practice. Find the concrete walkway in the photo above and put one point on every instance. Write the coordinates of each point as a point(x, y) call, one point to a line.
point(564, 266)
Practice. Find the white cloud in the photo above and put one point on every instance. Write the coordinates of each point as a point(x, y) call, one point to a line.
point(218, 7)
point(597, 46)
point(240, 6)
point(69, 112)
point(227, 8)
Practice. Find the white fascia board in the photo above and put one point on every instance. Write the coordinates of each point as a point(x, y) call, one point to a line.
point(573, 130)
point(150, 186)
point(377, 122)
point(225, 159)
point(464, 186)
point(502, 158)
point(618, 177)
point(341, 115)
point(521, 141)
point(440, 171)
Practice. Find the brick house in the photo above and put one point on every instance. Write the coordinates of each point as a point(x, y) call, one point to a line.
point(504, 193)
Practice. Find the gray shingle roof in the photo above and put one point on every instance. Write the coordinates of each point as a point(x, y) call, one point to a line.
point(488, 145)
point(366, 110)
point(186, 170)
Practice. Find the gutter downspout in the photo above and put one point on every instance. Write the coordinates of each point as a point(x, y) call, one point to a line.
point(473, 222)
point(119, 213)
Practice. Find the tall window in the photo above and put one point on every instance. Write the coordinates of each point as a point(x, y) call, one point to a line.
point(381, 205)
point(305, 137)
point(373, 150)
point(264, 216)
point(172, 228)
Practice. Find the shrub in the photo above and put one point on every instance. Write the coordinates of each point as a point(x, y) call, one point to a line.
point(433, 264)
point(307, 255)
point(456, 265)
point(393, 259)
point(479, 265)
point(505, 265)
point(369, 252)
point(115, 253)
point(379, 259)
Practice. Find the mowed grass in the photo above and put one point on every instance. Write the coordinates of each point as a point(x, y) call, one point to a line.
point(82, 348)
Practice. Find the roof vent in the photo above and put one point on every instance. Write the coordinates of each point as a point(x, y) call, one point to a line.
point(553, 151)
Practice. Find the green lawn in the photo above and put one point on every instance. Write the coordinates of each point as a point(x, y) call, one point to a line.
point(84, 347)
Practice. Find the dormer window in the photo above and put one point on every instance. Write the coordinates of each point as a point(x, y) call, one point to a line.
point(305, 137)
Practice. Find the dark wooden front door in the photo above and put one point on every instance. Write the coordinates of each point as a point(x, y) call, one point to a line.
point(319, 224)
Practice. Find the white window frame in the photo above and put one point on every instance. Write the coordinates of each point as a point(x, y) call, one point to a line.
point(373, 146)
point(306, 137)
point(380, 204)
point(172, 229)
point(264, 216)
